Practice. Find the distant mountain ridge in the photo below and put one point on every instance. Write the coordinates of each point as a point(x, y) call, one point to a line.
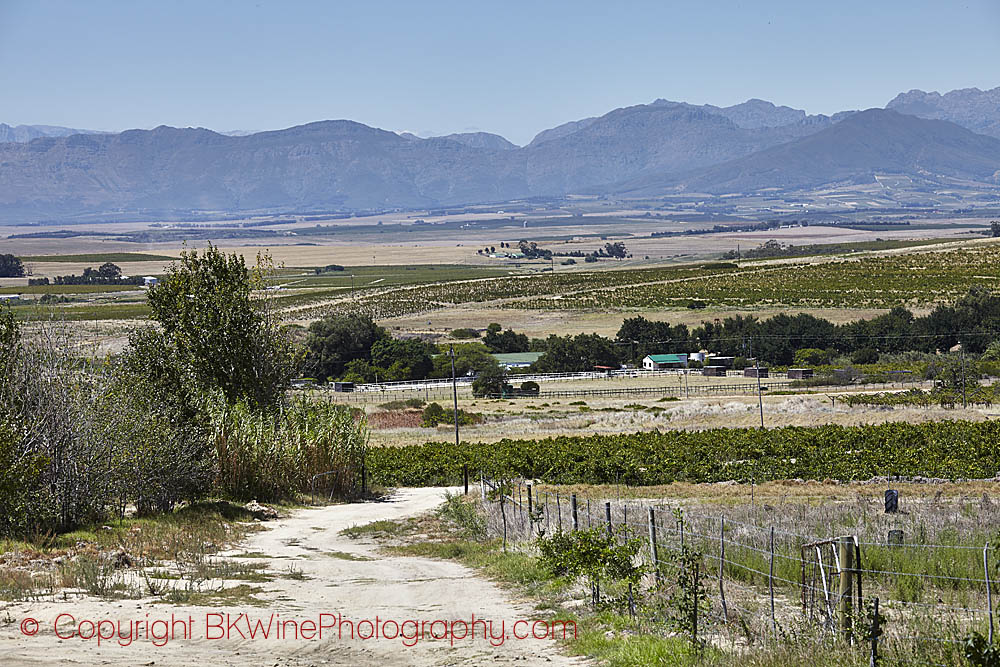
point(646, 149)
point(972, 108)
point(855, 150)
point(24, 133)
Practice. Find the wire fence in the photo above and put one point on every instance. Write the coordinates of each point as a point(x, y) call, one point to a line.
point(762, 582)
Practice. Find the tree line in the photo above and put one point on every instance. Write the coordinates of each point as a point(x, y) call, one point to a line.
point(353, 347)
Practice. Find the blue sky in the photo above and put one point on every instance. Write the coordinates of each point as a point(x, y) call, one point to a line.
point(432, 66)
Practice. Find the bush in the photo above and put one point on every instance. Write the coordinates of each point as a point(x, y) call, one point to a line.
point(435, 415)
point(529, 388)
point(464, 334)
point(865, 355)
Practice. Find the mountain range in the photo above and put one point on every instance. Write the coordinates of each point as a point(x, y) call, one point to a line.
point(643, 150)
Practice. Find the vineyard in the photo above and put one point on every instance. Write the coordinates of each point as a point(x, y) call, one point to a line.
point(910, 279)
point(983, 396)
point(950, 449)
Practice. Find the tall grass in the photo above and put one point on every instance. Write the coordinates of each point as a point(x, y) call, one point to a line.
point(274, 455)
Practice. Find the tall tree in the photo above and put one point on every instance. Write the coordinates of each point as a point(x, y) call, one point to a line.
point(223, 336)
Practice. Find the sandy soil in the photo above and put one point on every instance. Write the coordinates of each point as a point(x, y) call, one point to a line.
point(391, 587)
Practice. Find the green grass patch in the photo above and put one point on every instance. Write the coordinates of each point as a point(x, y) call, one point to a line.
point(343, 555)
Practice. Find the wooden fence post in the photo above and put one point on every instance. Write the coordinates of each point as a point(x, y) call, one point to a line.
point(770, 582)
point(559, 512)
point(875, 633)
point(845, 546)
point(607, 517)
point(530, 505)
point(465, 477)
point(989, 591)
point(722, 564)
point(573, 509)
point(652, 546)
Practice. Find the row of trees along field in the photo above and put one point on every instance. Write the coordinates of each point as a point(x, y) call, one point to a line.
point(353, 348)
point(193, 407)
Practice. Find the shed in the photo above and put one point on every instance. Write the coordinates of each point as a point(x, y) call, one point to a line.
point(343, 386)
point(799, 373)
point(655, 362)
point(714, 371)
point(755, 372)
point(149, 281)
point(720, 361)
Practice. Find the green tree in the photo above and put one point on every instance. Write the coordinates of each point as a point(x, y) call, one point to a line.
point(576, 353)
point(11, 266)
point(335, 341)
point(469, 358)
point(403, 358)
point(813, 356)
point(222, 337)
point(491, 381)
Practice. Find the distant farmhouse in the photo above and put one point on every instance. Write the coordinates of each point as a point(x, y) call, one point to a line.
point(656, 362)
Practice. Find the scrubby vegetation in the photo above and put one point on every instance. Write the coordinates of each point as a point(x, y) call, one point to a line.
point(193, 408)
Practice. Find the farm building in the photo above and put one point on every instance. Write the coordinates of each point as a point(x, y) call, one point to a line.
point(517, 359)
point(714, 371)
point(754, 372)
point(149, 281)
point(799, 373)
point(713, 360)
point(655, 362)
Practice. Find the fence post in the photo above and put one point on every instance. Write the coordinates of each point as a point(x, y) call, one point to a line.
point(652, 546)
point(770, 582)
point(607, 517)
point(576, 517)
point(465, 477)
point(989, 591)
point(875, 633)
point(482, 485)
point(530, 504)
point(588, 513)
point(845, 546)
point(559, 513)
point(722, 563)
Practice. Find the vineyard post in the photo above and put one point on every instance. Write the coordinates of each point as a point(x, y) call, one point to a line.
point(465, 477)
point(770, 581)
point(545, 504)
point(530, 505)
point(558, 513)
point(845, 545)
point(482, 485)
point(989, 592)
point(722, 564)
point(573, 508)
point(607, 517)
point(588, 513)
point(652, 545)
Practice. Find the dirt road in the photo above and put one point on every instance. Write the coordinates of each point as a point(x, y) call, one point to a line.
point(341, 576)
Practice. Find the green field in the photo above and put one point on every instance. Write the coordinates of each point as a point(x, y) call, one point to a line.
point(99, 258)
point(74, 313)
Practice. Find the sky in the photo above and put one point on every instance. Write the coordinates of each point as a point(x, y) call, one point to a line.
point(435, 67)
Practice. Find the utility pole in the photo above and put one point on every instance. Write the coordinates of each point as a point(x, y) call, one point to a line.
point(964, 402)
point(760, 399)
point(454, 389)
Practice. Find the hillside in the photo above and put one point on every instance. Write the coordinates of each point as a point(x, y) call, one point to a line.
point(854, 150)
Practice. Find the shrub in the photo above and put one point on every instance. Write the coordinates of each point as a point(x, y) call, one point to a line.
point(464, 333)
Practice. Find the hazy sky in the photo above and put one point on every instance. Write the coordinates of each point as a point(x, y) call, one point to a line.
point(509, 67)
